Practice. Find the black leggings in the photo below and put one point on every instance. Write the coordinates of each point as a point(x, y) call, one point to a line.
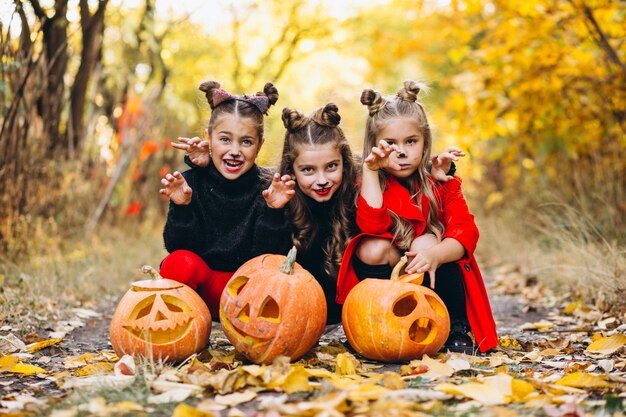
point(448, 285)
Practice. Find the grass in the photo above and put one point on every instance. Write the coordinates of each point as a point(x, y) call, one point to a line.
point(81, 272)
point(562, 246)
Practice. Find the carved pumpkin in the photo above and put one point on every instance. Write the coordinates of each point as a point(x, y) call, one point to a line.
point(395, 320)
point(272, 306)
point(160, 319)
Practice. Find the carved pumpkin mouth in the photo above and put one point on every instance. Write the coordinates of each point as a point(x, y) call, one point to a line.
point(423, 331)
point(160, 336)
point(249, 340)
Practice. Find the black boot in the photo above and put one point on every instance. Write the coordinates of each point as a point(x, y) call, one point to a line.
point(459, 340)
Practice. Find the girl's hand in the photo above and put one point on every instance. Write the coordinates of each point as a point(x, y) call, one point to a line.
point(199, 150)
point(441, 163)
point(379, 157)
point(176, 188)
point(424, 261)
point(281, 190)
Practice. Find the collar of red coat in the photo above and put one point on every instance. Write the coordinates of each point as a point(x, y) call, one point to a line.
point(398, 199)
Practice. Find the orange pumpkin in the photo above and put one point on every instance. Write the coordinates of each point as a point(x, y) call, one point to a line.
point(160, 319)
point(272, 306)
point(395, 320)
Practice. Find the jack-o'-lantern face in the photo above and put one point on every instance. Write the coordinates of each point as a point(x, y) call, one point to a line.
point(255, 320)
point(394, 321)
point(420, 314)
point(265, 312)
point(161, 319)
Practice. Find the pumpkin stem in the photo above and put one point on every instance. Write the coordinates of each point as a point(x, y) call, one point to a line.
point(396, 269)
point(287, 267)
point(147, 269)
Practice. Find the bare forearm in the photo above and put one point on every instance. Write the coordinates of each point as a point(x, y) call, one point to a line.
point(370, 188)
point(449, 250)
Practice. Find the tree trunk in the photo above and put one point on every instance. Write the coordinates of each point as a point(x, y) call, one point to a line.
point(55, 43)
point(93, 29)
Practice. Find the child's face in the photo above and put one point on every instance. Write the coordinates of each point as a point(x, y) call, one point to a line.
point(235, 145)
point(318, 170)
point(403, 133)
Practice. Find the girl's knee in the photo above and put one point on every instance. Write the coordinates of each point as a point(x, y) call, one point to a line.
point(424, 242)
point(374, 251)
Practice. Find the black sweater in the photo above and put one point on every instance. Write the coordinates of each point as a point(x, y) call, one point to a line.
point(228, 221)
point(312, 259)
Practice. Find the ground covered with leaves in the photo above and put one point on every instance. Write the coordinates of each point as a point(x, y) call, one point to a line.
point(557, 357)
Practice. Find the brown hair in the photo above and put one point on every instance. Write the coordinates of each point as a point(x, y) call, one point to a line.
point(238, 106)
point(320, 128)
point(405, 105)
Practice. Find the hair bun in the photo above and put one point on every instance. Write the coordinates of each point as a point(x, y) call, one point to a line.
point(410, 90)
point(373, 100)
point(209, 87)
point(293, 119)
point(271, 92)
point(327, 115)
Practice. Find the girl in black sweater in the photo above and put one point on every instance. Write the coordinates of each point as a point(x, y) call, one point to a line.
point(230, 210)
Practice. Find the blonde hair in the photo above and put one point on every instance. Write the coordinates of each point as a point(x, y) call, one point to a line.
point(320, 128)
point(404, 104)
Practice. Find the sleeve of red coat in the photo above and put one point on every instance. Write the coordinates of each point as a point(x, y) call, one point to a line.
point(372, 220)
point(457, 219)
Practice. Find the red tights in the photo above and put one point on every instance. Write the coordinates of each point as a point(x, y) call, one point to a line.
point(189, 268)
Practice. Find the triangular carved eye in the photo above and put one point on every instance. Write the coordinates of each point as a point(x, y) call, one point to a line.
point(236, 285)
point(270, 310)
point(405, 305)
point(244, 314)
point(440, 310)
point(143, 308)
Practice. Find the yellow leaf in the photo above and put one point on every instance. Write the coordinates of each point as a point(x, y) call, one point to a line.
point(345, 364)
point(569, 309)
point(507, 342)
point(26, 370)
point(321, 373)
point(235, 398)
point(492, 391)
point(608, 345)
point(7, 362)
point(78, 361)
point(297, 380)
point(393, 381)
point(95, 368)
point(520, 390)
point(436, 369)
point(184, 410)
point(550, 352)
point(34, 347)
point(367, 392)
point(583, 380)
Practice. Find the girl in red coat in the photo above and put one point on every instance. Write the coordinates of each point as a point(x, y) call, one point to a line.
point(402, 209)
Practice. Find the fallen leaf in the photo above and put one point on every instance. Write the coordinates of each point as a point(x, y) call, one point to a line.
point(346, 364)
point(607, 345)
point(126, 366)
point(583, 380)
point(236, 398)
point(184, 410)
point(367, 392)
point(11, 344)
point(95, 368)
point(171, 396)
point(35, 347)
point(491, 391)
point(393, 381)
point(520, 390)
point(296, 380)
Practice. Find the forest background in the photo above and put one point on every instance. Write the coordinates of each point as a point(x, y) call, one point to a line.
point(92, 92)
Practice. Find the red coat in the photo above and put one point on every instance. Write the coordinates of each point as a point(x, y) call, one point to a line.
point(459, 224)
